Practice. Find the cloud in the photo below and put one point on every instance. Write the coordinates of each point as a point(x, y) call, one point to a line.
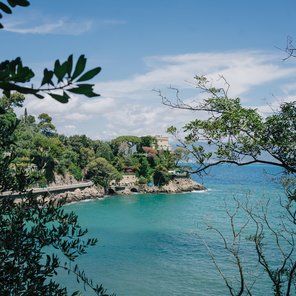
point(98, 105)
point(77, 117)
point(243, 70)
point(42, 24)
point(61, 26)
point(129, 106)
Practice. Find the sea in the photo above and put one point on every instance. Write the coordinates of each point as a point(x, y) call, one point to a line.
point(174, 244)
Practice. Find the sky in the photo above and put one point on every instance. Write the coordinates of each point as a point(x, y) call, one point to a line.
point(143, 46)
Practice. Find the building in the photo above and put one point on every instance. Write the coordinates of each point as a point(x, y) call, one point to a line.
point(162, 143)
point(129, 178)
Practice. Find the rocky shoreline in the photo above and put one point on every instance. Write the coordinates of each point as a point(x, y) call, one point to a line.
point(177, 185)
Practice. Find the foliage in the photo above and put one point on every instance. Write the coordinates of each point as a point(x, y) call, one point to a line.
point(45, 125)
point(144, 169)
point(102, 149)
point(238, 135)
point(142, 181)
point(101, 172)
point(161, 176)
point(28, 228)
point(146, 141)
point(8, 123)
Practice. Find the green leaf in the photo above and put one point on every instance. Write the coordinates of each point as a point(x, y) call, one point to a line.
point(6, 93)
point(60, 98)
point(23, 74)
point(60, 70)
point(5, 8)
point(90, 74)
point(84, 89)
point(47, 77)
point(80, 66)
point(70, 65)
point(14, 3)
point(39, 96)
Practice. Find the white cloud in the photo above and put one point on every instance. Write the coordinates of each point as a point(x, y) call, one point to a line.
point(243, 70)
point(70, 126)
point(98, 105)
point(62, 26)
point(77, 117)
point(42, 24)
point(129, 106)
point(48, 105)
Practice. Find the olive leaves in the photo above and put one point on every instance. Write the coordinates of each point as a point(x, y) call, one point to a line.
point(65, 77)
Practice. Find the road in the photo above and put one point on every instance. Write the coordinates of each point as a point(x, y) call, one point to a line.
point(52, 189)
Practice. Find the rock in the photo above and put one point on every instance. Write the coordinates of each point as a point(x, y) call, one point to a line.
point(92, 192)
point(174, 186)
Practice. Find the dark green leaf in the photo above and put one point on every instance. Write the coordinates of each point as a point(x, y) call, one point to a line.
point(23, 74)
point(80, 66)
point(69, 65)
point(47, 77)
point(5, 8)
point(60, 70)
point(90, 74)
point(14, 3)
point(39, 96)
point(6, 93)
point(84, 89)
point(60, 98)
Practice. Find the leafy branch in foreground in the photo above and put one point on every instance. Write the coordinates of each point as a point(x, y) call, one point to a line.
point(30, 226)
point(64, 78)
point(235, 134)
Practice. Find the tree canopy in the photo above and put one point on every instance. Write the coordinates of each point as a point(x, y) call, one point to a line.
point(235, 134)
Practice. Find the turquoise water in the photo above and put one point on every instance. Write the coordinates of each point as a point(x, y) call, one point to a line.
point(151, 244)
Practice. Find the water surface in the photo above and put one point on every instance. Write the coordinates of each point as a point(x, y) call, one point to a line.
point(153, 244)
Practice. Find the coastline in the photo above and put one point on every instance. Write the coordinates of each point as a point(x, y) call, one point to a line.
point(96, 192)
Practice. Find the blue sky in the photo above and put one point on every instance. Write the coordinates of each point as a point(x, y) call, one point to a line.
point(146, 45)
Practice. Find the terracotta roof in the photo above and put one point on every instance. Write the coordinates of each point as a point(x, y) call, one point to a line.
point(150, 151)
